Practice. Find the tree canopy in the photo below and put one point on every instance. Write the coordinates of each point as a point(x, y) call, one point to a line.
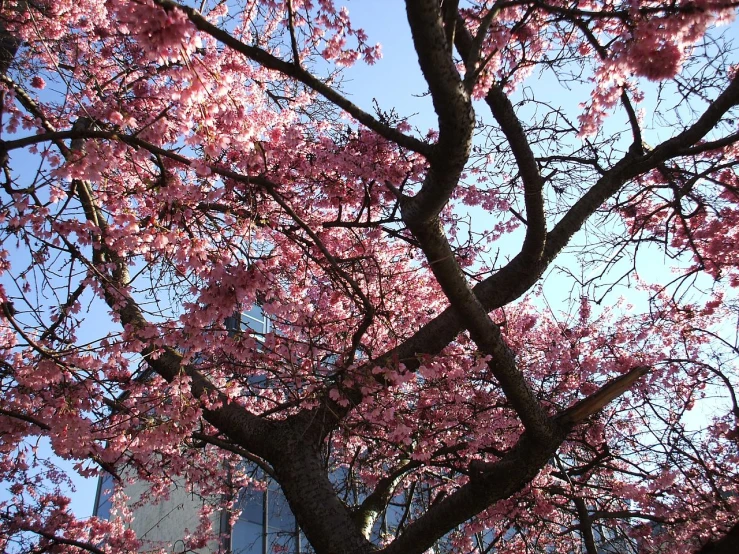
point(167, 165)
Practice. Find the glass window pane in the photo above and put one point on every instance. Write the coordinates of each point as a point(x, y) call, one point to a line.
point(232, 324)
point(246, 538)
point(281, 543)
point(254, 319)
point(251, 504)
point(248, 533)
point(105, 492)
point(280, 516)
point(255, 312)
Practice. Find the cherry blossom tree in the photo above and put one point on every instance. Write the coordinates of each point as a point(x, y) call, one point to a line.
point(192, 160)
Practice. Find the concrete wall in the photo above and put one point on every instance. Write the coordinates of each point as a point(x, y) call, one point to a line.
point(164, 524)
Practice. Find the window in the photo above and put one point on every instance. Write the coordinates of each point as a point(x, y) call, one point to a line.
point(266, 525)
point(253, 319)
point(103, 496)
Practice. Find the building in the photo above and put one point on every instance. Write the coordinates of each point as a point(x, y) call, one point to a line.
point(265, 525)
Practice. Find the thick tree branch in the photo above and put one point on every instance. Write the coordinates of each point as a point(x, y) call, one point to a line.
point(596, 401)
point(325, 520)
point(226, 445)
point(533, 183)
point(470, 47)
point(23, 417)
point(629, 514)
point(453, 108)
point(483, 331)
point(707, 146)
point(521, 273)
point(56, 540)
point(490, 482)
point(496, 482)
point(372, 506)
point(585, 525)
point(8, 48)
point(248, 430)
point(728, 544)
point(449, 10)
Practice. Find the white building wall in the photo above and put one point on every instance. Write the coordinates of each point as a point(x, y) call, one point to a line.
point(165, 524)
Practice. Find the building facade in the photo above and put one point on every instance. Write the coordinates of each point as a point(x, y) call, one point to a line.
point(265, 525)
